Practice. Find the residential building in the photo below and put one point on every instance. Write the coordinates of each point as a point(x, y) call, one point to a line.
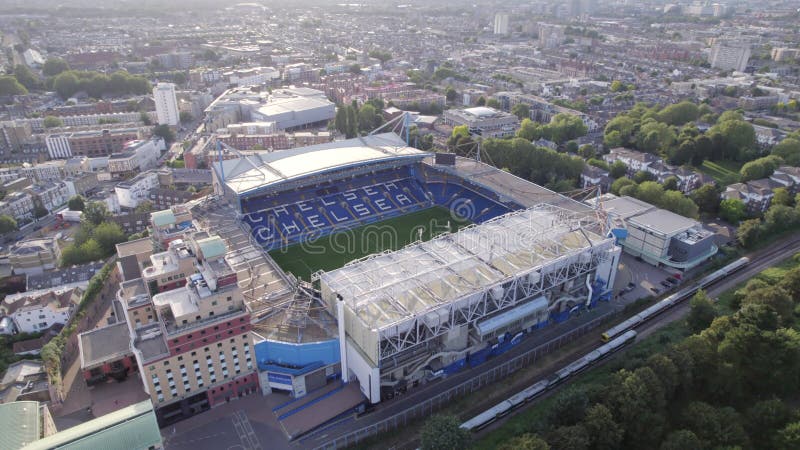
point(635, 160)
point(729, 56)
point(136, 157)
point(163, 198)
point(755, 194)
point(252, 76)
point(595, 176)
point(39, 310)
point(169, 269)
point(46, 171)
point(89, 143)
point(81, 184)
point(132, 192)
point(501, 23)
point(105, 352)
point(483, 121)
point(550, 36)
point(14, 134)
point(784, 54)
point(166, 104)
point(788, 177)
point(18, 205)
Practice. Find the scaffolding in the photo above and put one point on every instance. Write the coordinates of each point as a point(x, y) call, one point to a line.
point(397, 300)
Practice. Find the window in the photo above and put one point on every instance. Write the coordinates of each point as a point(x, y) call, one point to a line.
point(214, 303)
point(194, 353)
point(180, 358)
point(219, 344)
point(229, 299)
point(166, 363)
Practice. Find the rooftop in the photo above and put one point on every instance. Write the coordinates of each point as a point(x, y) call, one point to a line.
point(385, 289)
point(132, 427)
point(270, 168)
point(663, 222)
point(20, 424)
point(103, 345)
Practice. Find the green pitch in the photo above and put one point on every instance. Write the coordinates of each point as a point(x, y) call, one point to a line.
point(335, 250)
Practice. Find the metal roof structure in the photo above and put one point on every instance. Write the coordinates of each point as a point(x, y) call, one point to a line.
point(430, 282)
point(129, 428)
point(263, 169)
point(20, 424)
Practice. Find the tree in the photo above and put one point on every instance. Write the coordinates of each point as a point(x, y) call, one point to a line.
point(26, 77)
point(108, 235)
point(706, 198)
point(620, 183)
point(186, 117)
point(368, 118)
point(10, 86)
point(145, 118)
point(351, 119)
point(574, 437)
point(355, 69)
point(54, 66)
point(781, 196)
point(618, 169)
point(779, 218)
point(95, 213)
point(442, 432)
point(40, 211)
point(788, 150)
point(679, 113)
point(714, 426)
point(493, 103)
point(526, 441)
point(53, 122)
point(760, 168)
point(529, 130)
point(66, 84)
point(144, 207)
point(671, 183)
point(450, 94)
point(764, 419)
point(748, 232)
point(738, 135)
point(76, 203)
point(654, 136)
point(617, 86)
point(702, 312)
point(481, 101)
point(604, 432)
point(569, 407)
point(732, 209)
point(521, 110)
point(650, 192)
point(7, 224)
point(165, 132)
point(789, 437)
point(682, 440)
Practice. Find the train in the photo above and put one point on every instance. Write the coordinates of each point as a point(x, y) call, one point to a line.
point(673, 299)
point(575, 367)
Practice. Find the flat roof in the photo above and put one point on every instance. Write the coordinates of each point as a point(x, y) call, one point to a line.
point(625, 207)
point(161, 218)
point(663, 221)
point(105, 344)
point(212, 247)
point(269, 168)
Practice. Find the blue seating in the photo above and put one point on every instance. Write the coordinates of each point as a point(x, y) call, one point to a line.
point(293, 216)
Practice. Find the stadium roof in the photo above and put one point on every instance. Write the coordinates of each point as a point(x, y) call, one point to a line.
point(389, 288)
point(270, 168)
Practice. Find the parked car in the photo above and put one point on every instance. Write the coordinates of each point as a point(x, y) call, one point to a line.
point(655, 290)
point(665, 284)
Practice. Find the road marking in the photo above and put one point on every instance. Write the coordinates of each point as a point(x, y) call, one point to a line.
point(245, 431)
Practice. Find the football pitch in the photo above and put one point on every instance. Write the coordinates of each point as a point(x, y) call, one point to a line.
point(335, 250)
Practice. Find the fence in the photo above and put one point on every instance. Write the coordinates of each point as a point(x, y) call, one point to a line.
point(433, 404)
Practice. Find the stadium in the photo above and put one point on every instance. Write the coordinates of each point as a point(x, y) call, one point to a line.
point(391, 267)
